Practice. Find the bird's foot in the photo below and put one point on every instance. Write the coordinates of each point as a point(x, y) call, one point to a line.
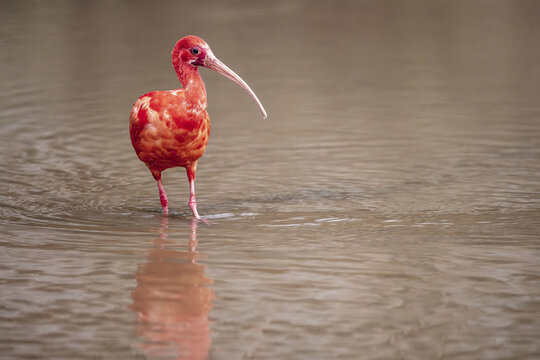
point(193, 206)
point(204, 220)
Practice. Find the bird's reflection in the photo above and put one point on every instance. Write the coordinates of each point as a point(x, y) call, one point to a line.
point(172, 300)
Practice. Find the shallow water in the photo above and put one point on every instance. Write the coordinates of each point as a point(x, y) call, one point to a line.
point(388, 208)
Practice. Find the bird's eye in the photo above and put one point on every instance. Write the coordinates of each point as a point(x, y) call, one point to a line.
point(195, 51)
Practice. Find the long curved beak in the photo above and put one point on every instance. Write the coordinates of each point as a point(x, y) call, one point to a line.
point(215, 64)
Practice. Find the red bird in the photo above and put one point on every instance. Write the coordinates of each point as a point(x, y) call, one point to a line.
point(171, 128)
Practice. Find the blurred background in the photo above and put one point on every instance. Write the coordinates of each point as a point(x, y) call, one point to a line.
point(389, 206)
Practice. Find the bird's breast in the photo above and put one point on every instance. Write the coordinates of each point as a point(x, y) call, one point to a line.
point(165, 132)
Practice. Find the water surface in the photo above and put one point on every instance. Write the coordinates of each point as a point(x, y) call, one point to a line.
point(389, 207)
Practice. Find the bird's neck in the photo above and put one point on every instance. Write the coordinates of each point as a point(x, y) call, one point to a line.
point(195, 92)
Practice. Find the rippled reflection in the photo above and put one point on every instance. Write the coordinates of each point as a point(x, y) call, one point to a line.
point(172, 300)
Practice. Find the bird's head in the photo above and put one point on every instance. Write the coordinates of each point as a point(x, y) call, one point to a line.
point(193, 51)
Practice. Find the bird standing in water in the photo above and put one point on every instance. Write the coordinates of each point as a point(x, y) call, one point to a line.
point(171, 128)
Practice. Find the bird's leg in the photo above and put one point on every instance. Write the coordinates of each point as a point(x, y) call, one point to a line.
point(191, 170)
point(163, 197)
point(162, 194)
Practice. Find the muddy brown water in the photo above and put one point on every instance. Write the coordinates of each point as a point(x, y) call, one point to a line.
point(389, 207)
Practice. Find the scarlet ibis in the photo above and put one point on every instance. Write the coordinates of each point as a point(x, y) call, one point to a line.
point(171, 128)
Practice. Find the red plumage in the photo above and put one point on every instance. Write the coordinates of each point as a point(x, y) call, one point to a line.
point(171, 128)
